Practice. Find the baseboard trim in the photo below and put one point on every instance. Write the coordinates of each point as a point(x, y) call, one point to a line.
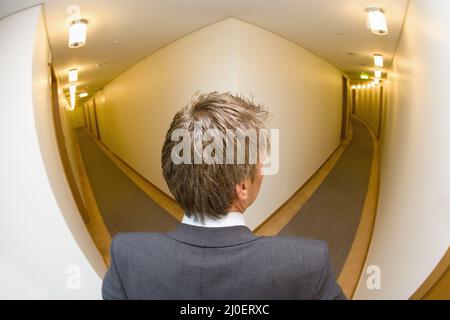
point(352, 270)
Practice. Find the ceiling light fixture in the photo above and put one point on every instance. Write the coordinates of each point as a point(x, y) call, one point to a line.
point(83, 94)
point(377, 73)
point(72, 91)
point(72, 102)
point(77, 33)
point(376, 20)
point(376, 81)
point(378, 60)
point(364, 76)
point(73, 75)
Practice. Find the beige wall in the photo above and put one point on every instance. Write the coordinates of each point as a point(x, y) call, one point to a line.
point(70, 120)
point(368, 106)
point(100, 102)
point(102, 116)
point(91, 114)
point(349, 108)
point(42, 235)
point(304, 94)
point(412, 230)
point(76, 116)
point(141, 102)
point(302, 91)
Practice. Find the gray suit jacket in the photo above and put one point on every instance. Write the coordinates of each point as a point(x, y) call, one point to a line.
point(218, 263)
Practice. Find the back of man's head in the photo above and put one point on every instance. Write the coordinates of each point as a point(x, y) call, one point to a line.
point(203, 170)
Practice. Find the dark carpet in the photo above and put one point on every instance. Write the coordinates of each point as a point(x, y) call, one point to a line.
point(334, 210)
point(123, 205)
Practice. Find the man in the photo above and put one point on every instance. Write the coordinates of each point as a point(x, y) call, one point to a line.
point(212, 254)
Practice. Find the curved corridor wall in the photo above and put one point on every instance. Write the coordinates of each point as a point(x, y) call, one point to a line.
point(45, 249)
point(368, 106)
point(303, 92)
point(412, 230)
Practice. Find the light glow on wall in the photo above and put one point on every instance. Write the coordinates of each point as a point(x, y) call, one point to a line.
point(368, 85)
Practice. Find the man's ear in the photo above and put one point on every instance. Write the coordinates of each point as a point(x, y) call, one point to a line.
point(242, 191)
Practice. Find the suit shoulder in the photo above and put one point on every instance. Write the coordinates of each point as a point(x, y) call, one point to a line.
point(297, 243)
point(124, 242)
point(311, 254)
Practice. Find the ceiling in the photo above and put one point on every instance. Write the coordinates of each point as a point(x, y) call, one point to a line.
point(332, 29)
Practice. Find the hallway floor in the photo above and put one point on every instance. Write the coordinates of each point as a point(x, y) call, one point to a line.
point(123, 205)
point(333, 212)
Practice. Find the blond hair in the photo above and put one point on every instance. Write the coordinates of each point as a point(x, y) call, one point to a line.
point(207, 190)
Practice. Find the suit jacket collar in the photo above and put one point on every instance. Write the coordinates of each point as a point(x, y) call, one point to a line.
point(212, 237)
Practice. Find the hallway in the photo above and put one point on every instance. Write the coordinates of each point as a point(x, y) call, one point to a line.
point(90, 91)
point(123, 205)
point(333, 212)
